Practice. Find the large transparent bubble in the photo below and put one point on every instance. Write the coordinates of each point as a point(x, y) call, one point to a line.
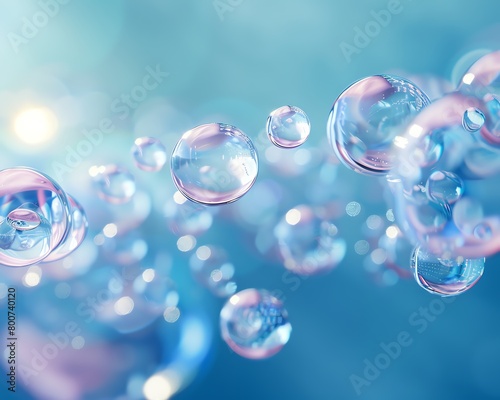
point(214, 164)
point(255, 324)
point(366, 118)
point(34, 218)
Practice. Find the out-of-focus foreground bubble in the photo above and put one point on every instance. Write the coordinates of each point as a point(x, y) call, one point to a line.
point(114, 184)
point(288, 127)
point(149, 154)
point(366, 118)
point(254, 324)
point(214, 164)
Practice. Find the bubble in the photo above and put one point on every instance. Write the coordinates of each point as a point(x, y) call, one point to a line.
point(444, 187)
point(368, 116)
point(184, 217)
point(445, 277)
point(114, 184)
point(353, 209)
point(308, 243)
point(473, 119)
point(288, 127)
point(254, 324)
point(33, 216)
point(149, 154)
point(214, 164)
point(211, 267)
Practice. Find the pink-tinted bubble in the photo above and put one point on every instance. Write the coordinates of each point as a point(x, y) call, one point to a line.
point(288, 127)
point(254, 324)
point(214, 164)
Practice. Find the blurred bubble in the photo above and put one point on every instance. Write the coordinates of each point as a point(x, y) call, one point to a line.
point(308, 243)
point(445, 277)
point(214, 164)
point(114, 184)
point(254, 324)
point(366, 118)
point(353, 209)
point(211, 267)
point(125, 249)
point(288, 127)
point(185, 217)
point(149, 154)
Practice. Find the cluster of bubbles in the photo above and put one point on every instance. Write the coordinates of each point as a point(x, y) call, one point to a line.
point(439, 158)
point(39, 222)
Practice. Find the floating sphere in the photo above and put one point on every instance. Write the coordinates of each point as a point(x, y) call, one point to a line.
point(288, 127)
point(445, 277)
point(368, 116)
point(214, 164)
point(149, 154)
point(308, 243)
point(254, 324)
point(114, 184)
point(473, 119)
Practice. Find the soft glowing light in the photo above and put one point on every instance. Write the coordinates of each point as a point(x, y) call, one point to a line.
point(378, 256)
point(32, 276)
point(171, 314)
point(124, 305)
point(234, 300)
point(78, 342)
point(216, 275)
point(179, 198)
point(99, 239)
point(416, 131)
point(468, 78)
point(159, 387)
point(110, 230)
point(35, 125)
point(400, 142)
point(148, 275)
point(203, 253)
point(391, 232)
point(293, 216)
point(186, 243)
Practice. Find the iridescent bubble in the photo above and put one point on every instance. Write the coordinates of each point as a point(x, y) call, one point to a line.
point(444, 187)
point(288, 127)
point(114, 184)
point(211, 267)
point(445, 277)
point(308, 243)
point(149, 154)
point(33, 216)
point(254, 324)
point(214, 164)
point(473, 119)
point(368, 116)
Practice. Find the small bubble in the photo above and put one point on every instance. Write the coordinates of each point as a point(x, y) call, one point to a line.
point(149, 154)
point(288, 127)
point(473, 119)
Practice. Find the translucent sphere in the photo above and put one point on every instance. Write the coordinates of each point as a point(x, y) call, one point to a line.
point(214, 164)
point(288, 127)
point(114, 184)
point(33, 216)
point(368, 116)
point(308, 243)
point(445, 277)
point(254, 324)
point(211, 267)
point(149, 154)
point(445, 187)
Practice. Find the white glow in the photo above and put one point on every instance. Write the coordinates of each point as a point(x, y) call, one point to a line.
point(148, 275)
point(35, 125)
point(124, 305)
point(33, 276)
point(203, 253)
point(171, 314)
point(234, 299)
point(78, 342)
point(400, 142)
point(293, 216)
point(158, 387)
point(186, 243)
point(416, 131)
point(468, 78)
point(391, 232)
point(179, 198)
point(110, 230)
